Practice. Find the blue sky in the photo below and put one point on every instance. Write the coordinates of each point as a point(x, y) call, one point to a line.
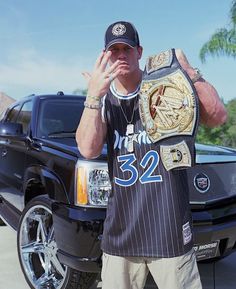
point(46, 44)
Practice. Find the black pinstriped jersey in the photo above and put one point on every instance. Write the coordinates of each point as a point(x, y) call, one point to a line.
point(148, 210)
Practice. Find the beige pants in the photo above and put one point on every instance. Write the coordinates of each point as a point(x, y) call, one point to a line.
point(168, 273)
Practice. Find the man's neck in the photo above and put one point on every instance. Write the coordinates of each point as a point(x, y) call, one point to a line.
point(127, 84)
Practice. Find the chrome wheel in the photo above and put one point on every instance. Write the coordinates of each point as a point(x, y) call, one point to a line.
point(38, 249)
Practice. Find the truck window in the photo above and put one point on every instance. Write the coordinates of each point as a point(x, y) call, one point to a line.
point(24, 115)
point(57, 116)
point(13, 113)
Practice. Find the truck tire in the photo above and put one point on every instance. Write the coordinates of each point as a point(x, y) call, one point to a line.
point(37, 251)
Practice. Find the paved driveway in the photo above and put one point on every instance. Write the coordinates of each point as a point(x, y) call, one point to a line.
point(11, 276)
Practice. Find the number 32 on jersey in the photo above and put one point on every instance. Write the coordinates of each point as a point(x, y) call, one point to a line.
point(149, 162)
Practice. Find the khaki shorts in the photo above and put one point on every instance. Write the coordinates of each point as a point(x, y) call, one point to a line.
point(168, 273)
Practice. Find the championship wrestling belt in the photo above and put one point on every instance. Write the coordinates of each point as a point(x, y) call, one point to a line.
point(169, 109)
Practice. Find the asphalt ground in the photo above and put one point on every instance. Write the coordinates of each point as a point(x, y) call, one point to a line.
point(11, 276)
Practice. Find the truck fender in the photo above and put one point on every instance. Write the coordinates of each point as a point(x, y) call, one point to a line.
point(40, 180)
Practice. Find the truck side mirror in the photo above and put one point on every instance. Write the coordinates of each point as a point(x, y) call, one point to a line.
point(11, 129)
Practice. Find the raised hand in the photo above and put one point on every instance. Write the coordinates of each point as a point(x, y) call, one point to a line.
point(102, 76)
point(184, 63)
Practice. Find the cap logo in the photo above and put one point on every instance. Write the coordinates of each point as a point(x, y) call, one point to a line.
point(118, 29)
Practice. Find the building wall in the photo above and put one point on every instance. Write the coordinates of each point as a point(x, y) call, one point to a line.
point(5, 101)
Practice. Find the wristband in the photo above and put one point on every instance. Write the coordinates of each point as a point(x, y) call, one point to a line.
point(97, 98)
point(197, 75)
point(93, 106)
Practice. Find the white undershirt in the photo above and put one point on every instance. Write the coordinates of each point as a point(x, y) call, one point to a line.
point(120, 96)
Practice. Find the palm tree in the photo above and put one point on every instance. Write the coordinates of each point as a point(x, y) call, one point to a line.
point(223, 41)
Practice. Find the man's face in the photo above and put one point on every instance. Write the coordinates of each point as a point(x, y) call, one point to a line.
point(129, 57)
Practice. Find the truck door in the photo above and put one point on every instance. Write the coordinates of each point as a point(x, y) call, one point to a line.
point(13, 153)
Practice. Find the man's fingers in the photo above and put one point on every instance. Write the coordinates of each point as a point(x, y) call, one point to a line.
point(102, 61)
point(99, 60)
point(86, 75)
point(113, 67)
point(105, 60)
point(113, 75)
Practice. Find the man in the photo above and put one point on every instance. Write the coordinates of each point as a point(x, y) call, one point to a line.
point(148, 224)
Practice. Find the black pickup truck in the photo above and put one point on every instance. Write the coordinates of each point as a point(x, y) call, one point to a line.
point(56, 200)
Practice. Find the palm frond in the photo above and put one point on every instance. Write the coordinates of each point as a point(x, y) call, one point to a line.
point(223, 42)
point(233, 12)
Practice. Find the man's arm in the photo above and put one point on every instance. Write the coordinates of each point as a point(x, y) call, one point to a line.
point(212, 110)
point(91, 132)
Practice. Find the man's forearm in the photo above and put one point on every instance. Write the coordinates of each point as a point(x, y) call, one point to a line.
point(212, 111)
point(91, 133)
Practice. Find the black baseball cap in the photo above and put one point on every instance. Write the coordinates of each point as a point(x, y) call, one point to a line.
point(121, 32)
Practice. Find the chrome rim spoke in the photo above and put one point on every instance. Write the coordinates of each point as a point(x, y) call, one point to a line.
point(38, 249)
point(34, 247)
point(51, 234)
point(42, 280)
point(58, 266)
point(41, 232)
point(47, 265)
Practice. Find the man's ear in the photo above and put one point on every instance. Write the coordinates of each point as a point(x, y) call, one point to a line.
point(140, 51)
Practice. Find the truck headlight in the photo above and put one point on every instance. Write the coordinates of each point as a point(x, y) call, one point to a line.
point(92, 184)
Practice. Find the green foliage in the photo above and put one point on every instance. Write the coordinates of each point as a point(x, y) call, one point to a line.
point(233, 12)
point(224, 135)
point(223, 41)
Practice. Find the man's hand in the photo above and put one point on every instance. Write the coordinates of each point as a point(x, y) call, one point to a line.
point(101, 76)
point(212, 110)
point(184, 63)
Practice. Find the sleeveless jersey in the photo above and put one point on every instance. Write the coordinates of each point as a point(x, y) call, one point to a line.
point(148, 213)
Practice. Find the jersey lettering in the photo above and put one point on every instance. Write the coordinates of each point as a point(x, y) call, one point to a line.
point(147, 176)
point(151, 157)
point(127, 166)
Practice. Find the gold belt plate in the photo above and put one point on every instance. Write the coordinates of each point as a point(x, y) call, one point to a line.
point(167, 106)
point(175, 156)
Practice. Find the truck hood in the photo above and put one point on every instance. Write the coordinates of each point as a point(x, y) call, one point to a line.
point(69, 146)
point(214, 154)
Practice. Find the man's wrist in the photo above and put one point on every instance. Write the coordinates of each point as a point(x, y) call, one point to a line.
point(93, 98)
point(93, 102)
point(195, 74)
point(97, 105)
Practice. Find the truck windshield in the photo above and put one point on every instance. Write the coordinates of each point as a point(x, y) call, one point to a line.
point(59, 117)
